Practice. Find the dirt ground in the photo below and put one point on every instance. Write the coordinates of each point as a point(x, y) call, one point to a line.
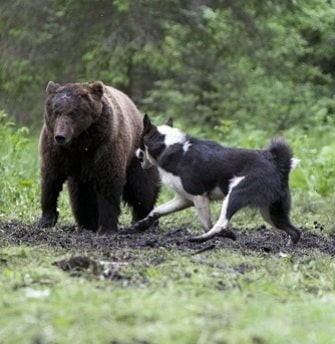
point(106, 257)
point(259, 240)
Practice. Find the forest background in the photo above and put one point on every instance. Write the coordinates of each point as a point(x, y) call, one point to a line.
point(269, 64)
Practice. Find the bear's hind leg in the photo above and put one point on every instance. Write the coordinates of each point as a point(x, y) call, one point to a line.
point(141, 189)
point(84, 204)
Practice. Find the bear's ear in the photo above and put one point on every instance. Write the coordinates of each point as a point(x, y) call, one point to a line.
point(97, 89)
point(170, 122)
point(147, 126)
point(52, 87)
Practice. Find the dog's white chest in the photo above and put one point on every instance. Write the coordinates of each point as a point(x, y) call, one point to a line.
point(174, 182)
point(171, 181)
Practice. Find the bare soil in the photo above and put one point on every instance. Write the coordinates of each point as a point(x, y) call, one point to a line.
point(259, 240)
point(108, 256)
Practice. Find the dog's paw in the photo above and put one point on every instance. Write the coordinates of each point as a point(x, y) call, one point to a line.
point(225, 233)
point(144, 224)
point(197, 239)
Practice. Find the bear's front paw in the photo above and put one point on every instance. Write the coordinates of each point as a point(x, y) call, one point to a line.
point(107, 230)
point(48, 220)
point(144, 224)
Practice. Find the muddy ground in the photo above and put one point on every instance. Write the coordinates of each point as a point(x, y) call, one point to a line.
point(263, 240)
point(107, 257)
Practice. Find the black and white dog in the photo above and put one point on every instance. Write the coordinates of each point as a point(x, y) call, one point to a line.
point(199, 171)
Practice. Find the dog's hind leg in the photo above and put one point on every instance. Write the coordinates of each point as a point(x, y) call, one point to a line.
point(231, 204)
point(202, 205)
point(280, 219)
point(176, 204)
point(265, 212)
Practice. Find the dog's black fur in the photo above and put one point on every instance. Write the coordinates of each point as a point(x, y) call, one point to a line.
point(200, 170)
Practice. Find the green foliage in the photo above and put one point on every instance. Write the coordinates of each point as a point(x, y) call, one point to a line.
point(267, 64)
point(19, 185)
point(222, 68)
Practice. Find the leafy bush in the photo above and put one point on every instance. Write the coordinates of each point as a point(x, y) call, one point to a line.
point(19, 181)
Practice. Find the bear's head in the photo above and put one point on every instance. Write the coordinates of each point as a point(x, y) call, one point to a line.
point(71, 109)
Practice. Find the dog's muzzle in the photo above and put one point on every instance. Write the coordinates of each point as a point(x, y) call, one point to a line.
point(140, 154)
point(142, 157)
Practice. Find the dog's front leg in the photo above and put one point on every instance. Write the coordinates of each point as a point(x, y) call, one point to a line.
point(202, 205)
point(176, 204)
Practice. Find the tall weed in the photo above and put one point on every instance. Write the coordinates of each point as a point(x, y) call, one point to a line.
point(19, 181)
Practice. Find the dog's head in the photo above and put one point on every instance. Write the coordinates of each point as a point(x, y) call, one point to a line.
point(155, 139)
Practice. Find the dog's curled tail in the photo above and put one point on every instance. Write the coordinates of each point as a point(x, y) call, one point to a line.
point(282, 154)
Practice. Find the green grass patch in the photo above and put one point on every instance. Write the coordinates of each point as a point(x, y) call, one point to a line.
point(218, 297)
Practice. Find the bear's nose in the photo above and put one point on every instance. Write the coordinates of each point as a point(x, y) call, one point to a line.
point(60, 139)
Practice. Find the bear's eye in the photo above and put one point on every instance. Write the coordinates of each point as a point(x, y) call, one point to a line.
point(73, 113)
point(51, 113)
point(84, 96)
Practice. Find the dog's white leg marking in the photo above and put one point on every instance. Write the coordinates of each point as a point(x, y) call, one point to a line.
point(222, 222)
point(176, 204)
point(202, 205)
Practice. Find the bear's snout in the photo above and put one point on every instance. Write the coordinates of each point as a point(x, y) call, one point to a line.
point(63, 132)
point(60, 139)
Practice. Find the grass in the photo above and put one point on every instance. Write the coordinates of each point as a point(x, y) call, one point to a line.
point(170, 296)
point(235, 299)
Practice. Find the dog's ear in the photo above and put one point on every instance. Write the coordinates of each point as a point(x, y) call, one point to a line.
point(147, 125)
point(170, 122)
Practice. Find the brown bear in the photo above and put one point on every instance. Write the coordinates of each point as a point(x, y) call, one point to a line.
point(89, 138)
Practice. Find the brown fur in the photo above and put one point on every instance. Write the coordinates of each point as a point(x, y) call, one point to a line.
point(89, 137)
